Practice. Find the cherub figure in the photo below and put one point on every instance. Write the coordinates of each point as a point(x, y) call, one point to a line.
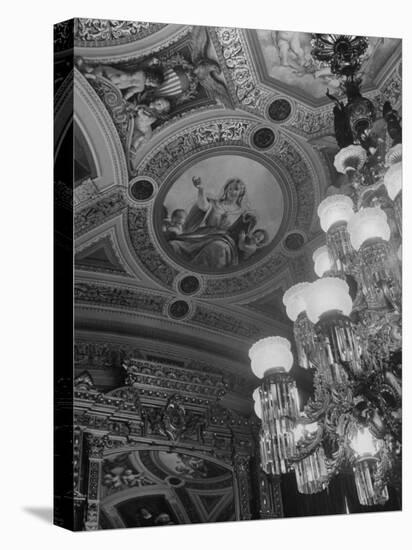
point(248, 244)
point(175, 225)
point(129, 82)
point(131, 479)
point(144, 118)
point(112, 480)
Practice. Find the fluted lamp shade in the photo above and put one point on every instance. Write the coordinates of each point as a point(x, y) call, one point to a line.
point(295, 301)
point(393, 180)
point(272, 353)
point(327, 295)
point(335, 209)
point(368, 223)
point(322, 261)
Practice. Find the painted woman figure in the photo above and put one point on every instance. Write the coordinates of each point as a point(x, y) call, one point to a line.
point(211, 231)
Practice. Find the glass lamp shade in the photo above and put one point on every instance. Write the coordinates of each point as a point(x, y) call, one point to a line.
point(327, 294)
point(394, 155)
point(294, 300)
point(393, 180)
point(368, 223)
point(363, 443)
point(272, 353)
point(349, 158)
point(334, 209)
point(322, 261)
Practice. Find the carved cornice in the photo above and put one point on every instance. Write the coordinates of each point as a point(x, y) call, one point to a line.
point(143, 302)
point(91, 353)
point(173, 378)
point(206, 316)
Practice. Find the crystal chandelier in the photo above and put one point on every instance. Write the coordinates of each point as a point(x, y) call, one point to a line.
point(347, 323)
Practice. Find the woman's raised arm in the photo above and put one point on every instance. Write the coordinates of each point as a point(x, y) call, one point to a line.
point(202, 201)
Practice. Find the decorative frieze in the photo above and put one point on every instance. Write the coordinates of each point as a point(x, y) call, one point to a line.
point(98, 212)
point(108, 32)
point(144, 248)
point(185, 143)
point(248, 94)
point(173, 378)
point(118, 297)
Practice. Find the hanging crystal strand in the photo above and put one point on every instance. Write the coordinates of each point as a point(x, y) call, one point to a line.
point(365, 470)
point(369, 232)
point(341, 341)
point(334, 213)
point(280, 407)
point(381, 273)
point(341, 250)
point(311, 473)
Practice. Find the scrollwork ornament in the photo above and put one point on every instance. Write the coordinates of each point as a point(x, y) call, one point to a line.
point(104, 32)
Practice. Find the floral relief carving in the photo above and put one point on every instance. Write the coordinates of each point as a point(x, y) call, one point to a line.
point(115, 296)
point(247, 92)
point(192, 139)
point(98, 212)
point(145, 249)
point(102, 32)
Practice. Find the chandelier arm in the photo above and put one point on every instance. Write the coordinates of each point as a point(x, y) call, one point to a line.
point(310, 447)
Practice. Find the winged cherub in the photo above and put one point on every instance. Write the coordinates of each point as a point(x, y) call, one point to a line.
point(182, 77)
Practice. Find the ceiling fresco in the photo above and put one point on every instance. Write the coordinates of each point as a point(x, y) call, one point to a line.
point(208, 150)
point(152, 488)
point(286, 60)
point(232, 188)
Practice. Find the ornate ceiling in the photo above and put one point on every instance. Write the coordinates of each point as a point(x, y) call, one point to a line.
point(149, 276)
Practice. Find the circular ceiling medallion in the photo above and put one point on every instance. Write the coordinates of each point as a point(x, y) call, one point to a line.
point(263, 138)
point(189, 284)
point(294, 241)
point(179, 309)
point(142, 190)
point(220, 215)
point(279, 110)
